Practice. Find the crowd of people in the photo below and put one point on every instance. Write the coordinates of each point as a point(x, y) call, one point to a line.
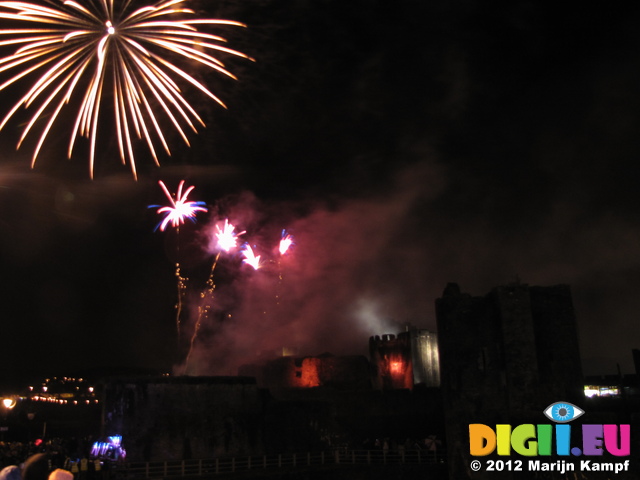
point(54, 460)
point(36, 467)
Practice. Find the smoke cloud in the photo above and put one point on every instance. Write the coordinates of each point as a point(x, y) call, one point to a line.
point(355, 270)
point(367, 265)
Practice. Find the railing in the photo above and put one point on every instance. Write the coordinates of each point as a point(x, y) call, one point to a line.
point(219, 466)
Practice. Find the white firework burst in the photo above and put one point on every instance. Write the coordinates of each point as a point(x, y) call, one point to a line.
point(81, 48)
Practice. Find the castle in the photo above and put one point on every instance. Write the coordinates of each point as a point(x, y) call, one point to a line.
point(498, 358)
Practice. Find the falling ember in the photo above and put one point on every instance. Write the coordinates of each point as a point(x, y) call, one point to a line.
point(99, 50)
point(179, 209)
point(285, 242)
point(250, 258)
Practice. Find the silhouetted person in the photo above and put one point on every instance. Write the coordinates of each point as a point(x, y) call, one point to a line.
point(36, 467)
point(12, 472)
point(60, 474)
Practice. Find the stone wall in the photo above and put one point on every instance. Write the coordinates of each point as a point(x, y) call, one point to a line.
point(178, 418)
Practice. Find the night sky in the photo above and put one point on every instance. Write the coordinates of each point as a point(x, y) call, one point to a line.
point(404, 144)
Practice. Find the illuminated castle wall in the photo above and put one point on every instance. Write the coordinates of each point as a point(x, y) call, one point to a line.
point(400, 361)
point(391, 358)
point(425, 358)
point(411, 358)
point(326, 370)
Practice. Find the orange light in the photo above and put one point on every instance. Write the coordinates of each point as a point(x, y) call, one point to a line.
point(395, 367)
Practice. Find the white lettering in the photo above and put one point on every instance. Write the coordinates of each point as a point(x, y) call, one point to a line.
point(560, 466)
point(617, 467)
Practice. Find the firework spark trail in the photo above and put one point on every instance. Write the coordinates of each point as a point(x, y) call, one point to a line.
point(286, 241)
point(227, 239)
point(176, 213)
point(110, 50)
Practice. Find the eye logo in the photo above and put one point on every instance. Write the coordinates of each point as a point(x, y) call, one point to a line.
point(563, 412)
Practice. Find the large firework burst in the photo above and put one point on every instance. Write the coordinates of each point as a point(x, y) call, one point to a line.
point(87, 48)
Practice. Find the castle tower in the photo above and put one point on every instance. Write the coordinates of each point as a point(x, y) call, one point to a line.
point(504, 357)
point(391, 358)
point(411, 358)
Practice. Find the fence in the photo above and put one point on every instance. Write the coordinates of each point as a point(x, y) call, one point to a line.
point(219, 466)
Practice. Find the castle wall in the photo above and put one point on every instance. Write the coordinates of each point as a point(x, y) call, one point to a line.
point(351, 371)
point(185, 417)
point(520, 359)
point(425, 358)
point(472, 371)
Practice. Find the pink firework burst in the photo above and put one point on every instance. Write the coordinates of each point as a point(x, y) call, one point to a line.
point(250, 258)
point(285, 242)
point(227, 238)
